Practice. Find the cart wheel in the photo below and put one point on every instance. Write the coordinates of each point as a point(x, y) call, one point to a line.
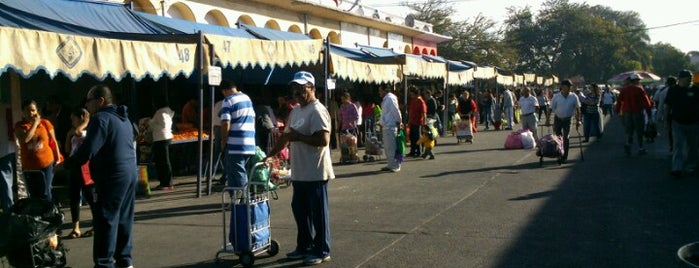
point(541, 161)
point(366, 157)
point(372, 159)
point(273, 248)
point(246, 259)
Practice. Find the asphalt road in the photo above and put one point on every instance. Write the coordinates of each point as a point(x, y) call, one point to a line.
point(475, 205)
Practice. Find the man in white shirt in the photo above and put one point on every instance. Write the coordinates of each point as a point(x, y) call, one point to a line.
point(391, 121)
point(508, 104)
point(529, 106)
point(564, 106)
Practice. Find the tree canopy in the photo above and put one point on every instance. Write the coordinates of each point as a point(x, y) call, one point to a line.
point(563, 38)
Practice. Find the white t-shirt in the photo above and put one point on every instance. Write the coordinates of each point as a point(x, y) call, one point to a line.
point(310, 163)
point(564, 107)
point(161, 124)
point(607, 98)
point(528, 104)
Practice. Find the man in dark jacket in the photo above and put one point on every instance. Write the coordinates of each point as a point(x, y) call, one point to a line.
point(110, 148)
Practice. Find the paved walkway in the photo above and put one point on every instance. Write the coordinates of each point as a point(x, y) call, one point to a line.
point(474, 206)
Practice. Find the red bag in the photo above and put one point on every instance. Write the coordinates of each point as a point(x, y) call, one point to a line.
point(87, 178)
point(514, 141)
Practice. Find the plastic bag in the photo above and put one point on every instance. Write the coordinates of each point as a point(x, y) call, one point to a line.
point(528, 141)
point(261, 173)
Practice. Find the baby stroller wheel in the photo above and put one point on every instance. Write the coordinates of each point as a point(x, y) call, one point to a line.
point(273, 248)
point(366, 158)
point(371, 159)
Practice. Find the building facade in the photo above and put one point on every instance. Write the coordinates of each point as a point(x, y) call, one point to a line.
point(347, 23)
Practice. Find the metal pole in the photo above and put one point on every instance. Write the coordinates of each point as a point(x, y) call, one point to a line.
point(326, 67)
point(200, 84)
point(210, 174)
point(445, 99)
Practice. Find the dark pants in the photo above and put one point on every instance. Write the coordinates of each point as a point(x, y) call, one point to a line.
point(309, 204)
point(592, 124)
point(39, 182)
point(415, 131)
point(161, 155)
point(561, 126)
point(113, 216)
point(78, 187)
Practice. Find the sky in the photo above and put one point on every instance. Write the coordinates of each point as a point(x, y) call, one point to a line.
point(685, 36)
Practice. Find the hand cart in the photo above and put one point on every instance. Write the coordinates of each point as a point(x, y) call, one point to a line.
point(249, 231)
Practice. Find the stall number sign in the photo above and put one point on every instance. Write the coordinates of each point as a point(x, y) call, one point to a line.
point(214, 75)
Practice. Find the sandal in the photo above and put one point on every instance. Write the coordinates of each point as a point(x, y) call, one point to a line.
point(88, 233)
point(74, 235)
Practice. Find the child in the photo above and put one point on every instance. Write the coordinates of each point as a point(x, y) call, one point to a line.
point(427, 140)
point(78, 182)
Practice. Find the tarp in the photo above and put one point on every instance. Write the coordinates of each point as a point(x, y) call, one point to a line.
point(506, 80)
point(184, 26)
point(356, 65)
point(28, 51)
point(240, 47)
point(61, 16)
point(459, 73)
point(244, 52)
point(484, 73)
point(416, 66)
point(270, 34)
point(529, 78)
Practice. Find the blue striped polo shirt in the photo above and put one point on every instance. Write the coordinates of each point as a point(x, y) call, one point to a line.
point(237, 109)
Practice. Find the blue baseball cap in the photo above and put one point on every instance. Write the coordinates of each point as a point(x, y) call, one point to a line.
point(303, 78)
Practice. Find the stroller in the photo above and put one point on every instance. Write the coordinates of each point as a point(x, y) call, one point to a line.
point(464, 131)
point(373, 145)
point(348, 146)
point(28, 234)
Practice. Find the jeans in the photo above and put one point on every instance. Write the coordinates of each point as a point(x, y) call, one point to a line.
point(592, 122)
point(236, 174)
point(389, 144)
point(309, 204)
point(488, 116)
point(561, 126)
point(7, 167)
point(113, 217)
point(39, 182)
point(684, 155)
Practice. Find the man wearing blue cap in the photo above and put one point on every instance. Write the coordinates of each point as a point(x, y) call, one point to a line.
point(308, 133)
point(682, 107)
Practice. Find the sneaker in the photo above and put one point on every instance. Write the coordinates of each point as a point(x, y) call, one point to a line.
point(297, 255)
point(385, 169)
point(627, 150)
point(395, 170)
point(315, 260)
point(642, 151)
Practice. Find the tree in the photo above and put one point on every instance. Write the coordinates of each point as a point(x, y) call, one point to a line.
point(668, 60)
point(573, 39)
point(475, 40)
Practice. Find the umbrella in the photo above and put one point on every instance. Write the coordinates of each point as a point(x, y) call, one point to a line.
point(646, 77)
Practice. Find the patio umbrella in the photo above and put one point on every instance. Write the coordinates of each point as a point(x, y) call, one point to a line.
point(646, 77)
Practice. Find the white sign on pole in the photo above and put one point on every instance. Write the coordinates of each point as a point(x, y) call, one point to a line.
point(214, 76)
point(330, 84)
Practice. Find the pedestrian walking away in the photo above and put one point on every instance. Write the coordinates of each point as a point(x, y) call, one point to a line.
point(308, 133)
point(631, 104)
point(110, 147)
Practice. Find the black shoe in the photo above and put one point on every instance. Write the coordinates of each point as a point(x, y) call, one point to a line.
point(676, 174)
point(586, 140)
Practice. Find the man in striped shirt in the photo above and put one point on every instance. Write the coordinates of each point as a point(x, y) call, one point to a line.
point(237, 133)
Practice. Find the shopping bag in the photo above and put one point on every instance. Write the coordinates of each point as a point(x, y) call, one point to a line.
point(142, 187)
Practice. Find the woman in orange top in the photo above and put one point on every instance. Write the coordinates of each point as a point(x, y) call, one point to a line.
point(33, 134)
